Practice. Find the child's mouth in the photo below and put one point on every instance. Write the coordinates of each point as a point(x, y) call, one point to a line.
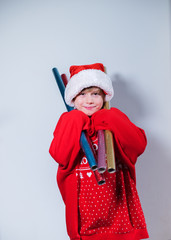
point(89, 108)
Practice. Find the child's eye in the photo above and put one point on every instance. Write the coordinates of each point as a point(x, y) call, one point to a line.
point(95, 93)
point(82, 94)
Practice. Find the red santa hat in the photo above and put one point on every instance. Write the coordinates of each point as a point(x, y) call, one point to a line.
point(85, 76)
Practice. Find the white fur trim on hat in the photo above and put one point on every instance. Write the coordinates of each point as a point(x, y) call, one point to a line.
point(88, 78)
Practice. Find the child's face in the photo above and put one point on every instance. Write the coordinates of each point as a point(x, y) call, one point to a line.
point(89, 100)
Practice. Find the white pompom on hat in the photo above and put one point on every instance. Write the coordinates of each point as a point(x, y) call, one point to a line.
point(85, 76)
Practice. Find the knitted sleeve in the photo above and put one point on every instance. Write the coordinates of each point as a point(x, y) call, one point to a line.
point(65, 145)
point(130, 139)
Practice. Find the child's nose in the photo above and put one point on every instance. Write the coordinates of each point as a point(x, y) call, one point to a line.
point(89, 98)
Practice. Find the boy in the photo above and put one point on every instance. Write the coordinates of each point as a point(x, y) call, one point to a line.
point(93, 212)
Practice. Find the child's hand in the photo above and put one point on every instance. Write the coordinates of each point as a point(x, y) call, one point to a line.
point(78, 118)
point(101, 119)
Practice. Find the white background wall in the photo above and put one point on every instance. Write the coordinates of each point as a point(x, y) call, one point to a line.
point(132, 39)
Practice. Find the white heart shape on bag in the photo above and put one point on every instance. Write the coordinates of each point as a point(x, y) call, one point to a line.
point(89, 174)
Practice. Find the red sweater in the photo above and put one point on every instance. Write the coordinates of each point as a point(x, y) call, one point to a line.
point(130, 142)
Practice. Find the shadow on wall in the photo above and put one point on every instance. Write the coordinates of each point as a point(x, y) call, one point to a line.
point(153, 173)
point(154, 178)
point(126, 99)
